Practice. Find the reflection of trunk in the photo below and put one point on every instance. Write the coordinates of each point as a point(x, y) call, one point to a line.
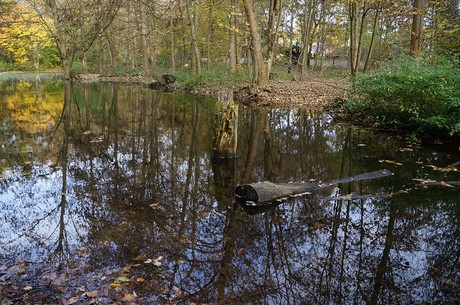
point(229, 235)
point(269, 168)
point(257, 125)
point(226, 122)
point(383, 264)
point(59, 251)
point(224, 181)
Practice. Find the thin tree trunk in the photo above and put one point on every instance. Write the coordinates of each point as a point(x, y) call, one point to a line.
point(353, 11)
point(308, 19)
point(416, 33)
point(171, 30)
point(274, 21)
point(232, 60)
point(193, 20)
point(145, 47)
point(371, 44)
point(360, 36)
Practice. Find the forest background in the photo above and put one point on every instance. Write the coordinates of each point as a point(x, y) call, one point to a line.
point(228, 42)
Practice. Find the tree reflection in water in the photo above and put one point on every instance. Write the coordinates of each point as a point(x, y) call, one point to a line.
point(137, 180)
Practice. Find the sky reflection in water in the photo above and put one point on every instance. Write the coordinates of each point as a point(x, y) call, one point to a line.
point(121, 172)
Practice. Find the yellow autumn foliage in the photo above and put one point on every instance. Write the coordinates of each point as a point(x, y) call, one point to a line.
point(34, 111)
point(23, 35)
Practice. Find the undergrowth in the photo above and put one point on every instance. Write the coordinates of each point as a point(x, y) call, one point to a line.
point(420, 97)
point(218, 78)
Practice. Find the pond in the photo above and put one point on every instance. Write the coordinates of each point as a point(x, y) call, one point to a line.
point(110, 191)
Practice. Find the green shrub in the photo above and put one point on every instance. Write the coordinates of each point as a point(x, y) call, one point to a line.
point(421, 97)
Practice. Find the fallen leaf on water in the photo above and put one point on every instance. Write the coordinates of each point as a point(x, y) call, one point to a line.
point(91, 294)
point(443, 169)
point(123, 279)
point(114, 285)
point(27, 288)
point(140, 280)
point(157, 261)
point(424, 181)
point(129, 298)
point(390, 162)
point(139, 258)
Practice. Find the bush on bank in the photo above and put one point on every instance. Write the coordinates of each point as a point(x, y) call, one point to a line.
point(420, 97)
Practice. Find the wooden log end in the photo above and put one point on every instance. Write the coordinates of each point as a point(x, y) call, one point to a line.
point(246, 193)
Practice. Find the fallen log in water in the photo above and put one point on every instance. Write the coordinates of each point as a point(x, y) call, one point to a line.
point(266, 191)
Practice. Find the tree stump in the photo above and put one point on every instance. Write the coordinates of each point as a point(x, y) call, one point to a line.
point(225, 126)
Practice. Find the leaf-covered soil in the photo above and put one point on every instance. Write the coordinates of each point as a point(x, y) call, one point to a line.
point(314, 93)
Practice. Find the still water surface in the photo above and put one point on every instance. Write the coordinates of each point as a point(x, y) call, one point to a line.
point(104, 174)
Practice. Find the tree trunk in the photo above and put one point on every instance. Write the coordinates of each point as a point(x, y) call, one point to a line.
point(145, 47)
point(193, 20)
point(371, 44)
point(274, 21)
point(416, 33)
point(308, 20)
point(60, 39)
point(260, 71)
point(232, 60)
point(353, 15)
point(171, 30)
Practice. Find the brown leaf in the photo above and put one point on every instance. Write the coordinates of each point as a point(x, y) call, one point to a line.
point(91, 294)
point(129, 298)
point(73, 300)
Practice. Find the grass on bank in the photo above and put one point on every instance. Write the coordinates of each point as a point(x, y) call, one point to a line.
point(420, 97)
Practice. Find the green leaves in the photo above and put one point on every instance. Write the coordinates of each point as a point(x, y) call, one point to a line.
point(418, 96)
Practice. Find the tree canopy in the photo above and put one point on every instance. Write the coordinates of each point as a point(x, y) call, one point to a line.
point(119, 37)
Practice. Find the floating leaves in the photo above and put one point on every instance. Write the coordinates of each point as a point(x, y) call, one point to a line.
point(429, 182)
point(443, 169)
point(390, 162)
point(156, 262)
